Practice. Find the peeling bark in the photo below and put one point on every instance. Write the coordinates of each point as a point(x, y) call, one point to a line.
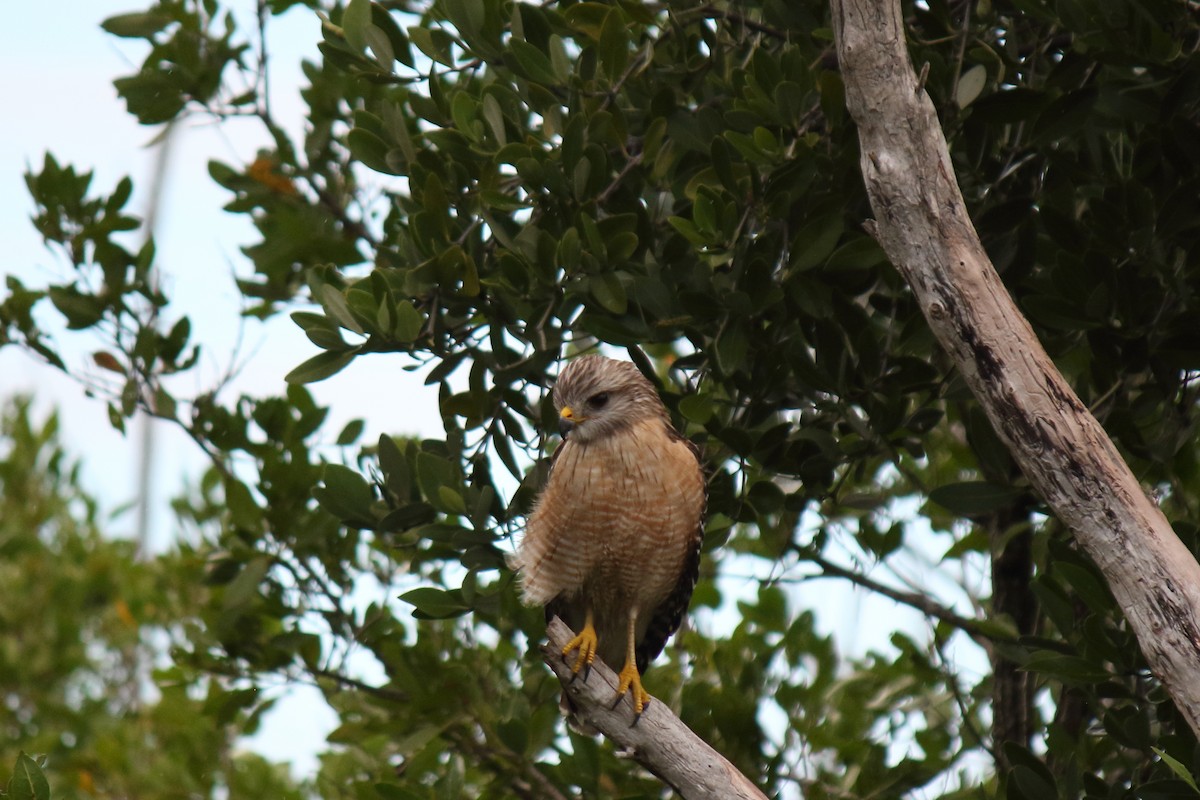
point(659, 741)
point(921, 222)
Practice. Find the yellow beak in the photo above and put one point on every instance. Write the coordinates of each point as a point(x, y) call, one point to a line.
point(567, 420)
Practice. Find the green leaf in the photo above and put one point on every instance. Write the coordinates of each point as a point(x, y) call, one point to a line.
point(1087, 585)
point(494, 116)
point(587, 18)
point(431, 603)
point(354, 23)
point(560, 61)
point(696, 407)
point(434, 473)
point(371, 151)
point(1025, 784)
point(384, 22)
point(347, 484)
point(1177, 767)
point(137, 25)
point(816, 240)
point(688, 230)
point(245, 586)
point(320, 330)
point(81, 310)
point(469, 16)
point(614, 44)
point(433, 42)
point(463, 109)
point(394, 465)
point(28, 782)
point(974, 541)
point(346, 494)
point(1065, 116)
point(609, 292)
point(972, 498)
point(766, 497)
point(380, 45)
point(321, 366)
point(449, 501)
point(1071, 670)
point(408, 323)
point(732, 346)
point(243, 510)
point(1029, 777)
point(351, 432)
point(721, 154)
point(970, 85)
point(861, 252)
point(534, 63)
point(335, 305)
point(569, 250)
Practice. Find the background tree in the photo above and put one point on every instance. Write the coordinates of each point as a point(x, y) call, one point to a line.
point(83, 635)
point(483, 187)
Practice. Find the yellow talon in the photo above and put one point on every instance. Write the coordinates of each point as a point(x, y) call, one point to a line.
point(585, 643)
point(631, 682)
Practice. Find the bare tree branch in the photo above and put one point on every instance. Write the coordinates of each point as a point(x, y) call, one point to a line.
point(922, 224)
point(658, 741)
point(982, 635)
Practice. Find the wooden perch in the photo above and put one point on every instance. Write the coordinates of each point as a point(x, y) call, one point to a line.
point(659, 741)
point(921, 222)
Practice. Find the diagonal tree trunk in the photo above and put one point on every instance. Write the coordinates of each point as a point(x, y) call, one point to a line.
point(922, 224)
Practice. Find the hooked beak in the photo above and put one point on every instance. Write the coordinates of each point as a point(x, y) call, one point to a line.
point(567, 420)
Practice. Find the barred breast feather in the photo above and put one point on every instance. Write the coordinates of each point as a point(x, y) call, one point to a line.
point(618, 528)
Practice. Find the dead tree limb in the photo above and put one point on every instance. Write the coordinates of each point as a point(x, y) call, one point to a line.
point(921, 222)
point(659, 741)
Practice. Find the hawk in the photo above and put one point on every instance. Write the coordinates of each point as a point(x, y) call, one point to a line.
point(613, 544)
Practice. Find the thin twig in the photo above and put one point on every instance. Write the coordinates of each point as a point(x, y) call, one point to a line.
point(632, 162)
point(712, 12)
point(920, 602)
point(534, 786)
point(382, 692)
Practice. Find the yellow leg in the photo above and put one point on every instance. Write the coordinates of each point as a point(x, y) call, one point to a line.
point(631, 681)
point(585, 643)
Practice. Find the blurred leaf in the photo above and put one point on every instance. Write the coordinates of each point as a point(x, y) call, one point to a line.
point(970, 85)
point(430, 603)
point(321, 366)
point(138, 25)
point(355, 20)
point(973, 498)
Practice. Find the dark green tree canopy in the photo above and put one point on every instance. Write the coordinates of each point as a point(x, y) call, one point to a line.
point(487, 187)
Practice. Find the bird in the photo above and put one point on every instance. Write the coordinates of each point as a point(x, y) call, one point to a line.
point(612, 546)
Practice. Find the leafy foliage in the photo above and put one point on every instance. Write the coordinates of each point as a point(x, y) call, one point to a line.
point(483, 187)
point(85, 628)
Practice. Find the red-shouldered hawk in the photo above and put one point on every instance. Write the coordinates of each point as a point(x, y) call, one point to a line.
point(613, 544)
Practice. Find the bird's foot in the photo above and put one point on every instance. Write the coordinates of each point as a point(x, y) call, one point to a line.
point(631, 682)
point(585, 643)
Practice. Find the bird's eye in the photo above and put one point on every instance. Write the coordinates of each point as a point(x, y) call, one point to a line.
point(598, 400)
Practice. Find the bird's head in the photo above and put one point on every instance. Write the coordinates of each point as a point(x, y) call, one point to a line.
point(597, 396)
